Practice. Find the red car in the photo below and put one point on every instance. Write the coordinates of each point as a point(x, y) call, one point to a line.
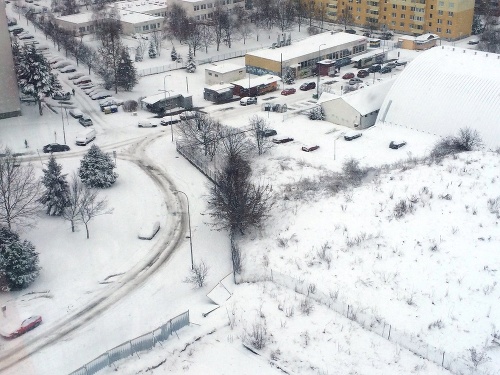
point(309, 149)
point(27, 325)
point(288, 91)
point(348, 76)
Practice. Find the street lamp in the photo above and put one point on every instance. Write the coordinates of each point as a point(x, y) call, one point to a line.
point(319, 57)
point(62, 118)
point(189, 222)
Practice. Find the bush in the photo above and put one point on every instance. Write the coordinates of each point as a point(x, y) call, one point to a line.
point(258, 337)
point(130, 106)
point(313, 30)
point(316, 113)
point(466, 140)
point(352, 172)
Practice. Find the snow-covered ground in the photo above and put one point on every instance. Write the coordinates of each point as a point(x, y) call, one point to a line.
point(431, 273)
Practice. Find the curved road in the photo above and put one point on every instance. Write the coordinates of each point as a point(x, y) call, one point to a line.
point(163, 249)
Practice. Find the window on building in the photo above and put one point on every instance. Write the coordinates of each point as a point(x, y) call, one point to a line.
point(402, 24)
point(198, 17)
point(441, 4)
point(403, 16)
point(403, 7)
point(440, 21)
point(209, 5)
point(216, 75)
point(393, 23)
point(450, 14)
point(419, 27)
point(438, 30)
point(430, 24)
point(394, 6)
point(449, 23)
point(440, 12)
point(452, 5)
point(385, 9)
point(384, 17)
point(209, 74)
point(196, 8)
point(81, 29)
point(430, 15)
point(432, 6)
point(203, 6)
point(393, 15)
point(448, 31)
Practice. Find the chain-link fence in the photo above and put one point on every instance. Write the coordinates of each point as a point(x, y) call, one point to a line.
point(141, 343)
point(333, 300)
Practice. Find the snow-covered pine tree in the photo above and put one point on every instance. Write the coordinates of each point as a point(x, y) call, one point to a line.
point(152, 50)
point(34, 75)
point(477, 25)
point(173, 54)
point(190, 65)
point(56, 194)
point(317, 113)
point(18, 261)
point(289, 76)
point(126, 72)
point(96, 169)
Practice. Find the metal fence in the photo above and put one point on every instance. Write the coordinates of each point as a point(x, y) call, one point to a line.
point(195, 160)
point(333, 300)
point(141, 343)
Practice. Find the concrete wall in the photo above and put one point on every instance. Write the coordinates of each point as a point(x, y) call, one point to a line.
point(214, 78)
point(339, 112)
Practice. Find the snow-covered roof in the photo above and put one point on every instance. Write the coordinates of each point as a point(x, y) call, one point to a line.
point(426, 37)
point(141, 5)
point(159, 97)
point(256, 81)
point(370, 98)
point(224, 68)
point(77, 18)
point(220, 88)
point(307, 46)
point(327, 96)
point(134, 17)
point(445, 89)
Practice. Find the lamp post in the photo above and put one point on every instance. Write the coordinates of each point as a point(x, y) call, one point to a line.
point(189, 222)
point(165, 91)
point(62, 118)
point(319, 57)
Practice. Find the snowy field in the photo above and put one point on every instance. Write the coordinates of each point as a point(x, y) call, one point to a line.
point(431, 273)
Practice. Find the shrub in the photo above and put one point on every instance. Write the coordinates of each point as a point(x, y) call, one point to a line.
point(258, 337)
point(402, 208)
point(130, 106)
point(316, 113)
point(352, 172)
point(467, 140)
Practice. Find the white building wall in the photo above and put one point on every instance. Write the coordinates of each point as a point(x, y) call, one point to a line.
point(339, 112)
point(214, 78)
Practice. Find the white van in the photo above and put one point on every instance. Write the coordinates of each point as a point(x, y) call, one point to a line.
point(84, 138)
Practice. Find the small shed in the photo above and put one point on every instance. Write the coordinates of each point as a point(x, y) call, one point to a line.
point(326, 67)
point(256, 85)
point(358, 109)
point(219, 93)
point(223, 73)
point(421, 42)
point(161, 102)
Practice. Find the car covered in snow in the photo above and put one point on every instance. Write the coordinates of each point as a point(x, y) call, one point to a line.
point(100, 95)
point(396, 144)
point(149, 230)
point(55, 147)
point(248, 101)
point(187, 115)
point(282, 140)
point(352, 135)
point(75, 112)
point(170, 120)
point(13, 330)
point(146, 124)
point(76, 75)
point(61, 64)
point(61, 95)
point(268, 132)
point(109, 101)
point(355, 80)
point(68, 69)
point(310, 148)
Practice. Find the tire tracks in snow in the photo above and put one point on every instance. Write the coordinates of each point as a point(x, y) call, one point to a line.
point(158, 256)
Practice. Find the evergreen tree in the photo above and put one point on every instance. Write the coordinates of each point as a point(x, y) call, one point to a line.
point(173, 54)
point(152, 50)
point(56, 194)
point(289, 76)
point(316, 113)
point(34, 75)
point(139, 54)
point(96, 169)
point(477, 25)
point(18, 261)
point(126, 72)
point(190, 65)
point(69, 7)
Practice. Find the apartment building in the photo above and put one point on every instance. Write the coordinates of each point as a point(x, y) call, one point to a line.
point(203, 9)
point(450, 19)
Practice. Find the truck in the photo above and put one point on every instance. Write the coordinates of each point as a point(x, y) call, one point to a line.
point(86, 137)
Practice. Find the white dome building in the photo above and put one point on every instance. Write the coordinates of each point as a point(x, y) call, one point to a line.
point(446, 89)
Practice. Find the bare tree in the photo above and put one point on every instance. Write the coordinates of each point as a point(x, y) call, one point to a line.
point(198, 275)
point(193, 32)
point(19, 191)
point(72, 212)
point(259, 125)
point(207, 37)
point(235, 203)
point(284, 14)
point(157, 38)
point(91, 206)
point(201, 130)
point(234, 143)
point(219, 19)
point(346, 17)
point(301, 12)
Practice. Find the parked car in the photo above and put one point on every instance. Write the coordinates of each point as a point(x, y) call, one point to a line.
point(75, 112)
point(374, 68)
point(109, 101)
point(85, 120)
point(282, 140)
point(309, 148)
point(363, 74)
point(170, 120)
point(308, 86)
point(92, 90)
point(27, 325)
point(473, 41)
point(348, 76)
point(385, 70)
point(289, 91)
point(248, 100)
point(55, 147)
point(82, 80)
point(85, 137)
point(269, 132)
point(149, 230)
point(76, 75)
point(400, 63)
point(396, 144)
point(100, 95)
point(187, 115)
point(391, 65)
point(61, 64)
point(352, 135)
point(25, 36)
point(146, 124)
point(86, 86)
point(68, 69)
point(355, 80)
point(61, 96)
point(350, 31)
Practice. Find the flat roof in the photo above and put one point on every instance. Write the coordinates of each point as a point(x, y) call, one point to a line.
point(224, 67)
point(309, 45)
point(76, 18)
point(134, 17)
point(220, 87)
point(368, 54)
point(141, 5)
point(256, 81)
point(158, 97)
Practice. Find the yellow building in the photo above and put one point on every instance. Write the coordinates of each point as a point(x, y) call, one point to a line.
point(450, 19)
